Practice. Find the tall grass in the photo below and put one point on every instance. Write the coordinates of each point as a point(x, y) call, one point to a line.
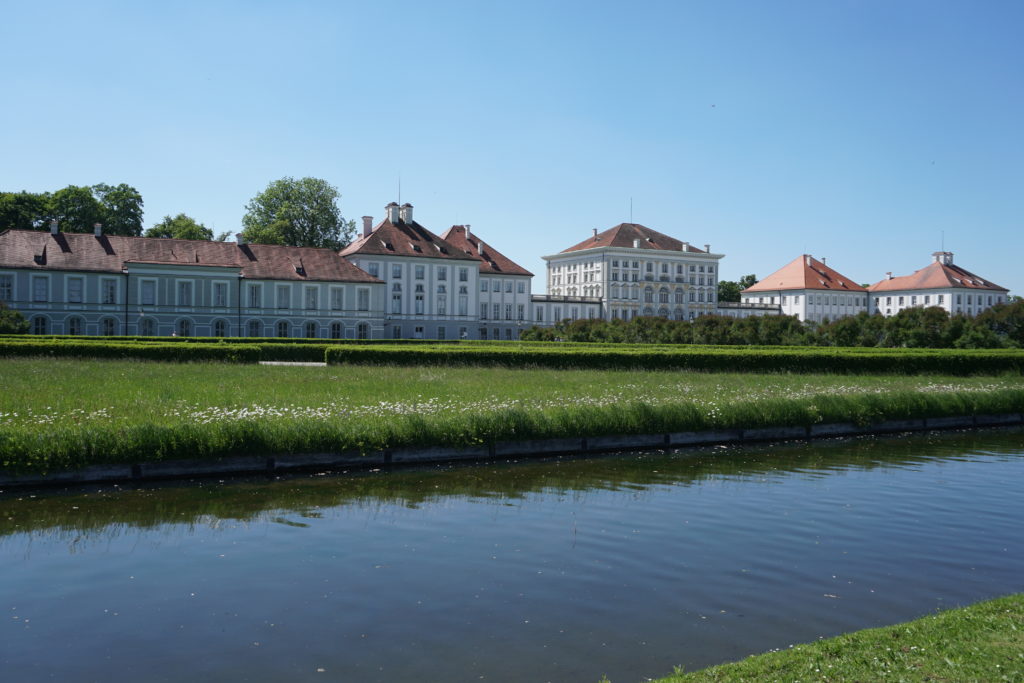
point(59, 414)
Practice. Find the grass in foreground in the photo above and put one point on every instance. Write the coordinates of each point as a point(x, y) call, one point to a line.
point(58, 414)
point(983, 642)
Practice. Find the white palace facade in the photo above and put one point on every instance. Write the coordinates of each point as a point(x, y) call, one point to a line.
point(399, 280)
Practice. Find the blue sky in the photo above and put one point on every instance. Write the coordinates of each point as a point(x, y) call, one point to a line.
point(856, 130)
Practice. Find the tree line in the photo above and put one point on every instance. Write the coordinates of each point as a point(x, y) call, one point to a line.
point(1001, 326)
point(294, 212)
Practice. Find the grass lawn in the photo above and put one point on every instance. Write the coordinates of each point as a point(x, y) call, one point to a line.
point(59, 413)
point(983, 642)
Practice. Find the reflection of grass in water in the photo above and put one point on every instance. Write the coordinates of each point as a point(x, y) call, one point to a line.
point(59, 414)
point(982, 642)
point(110, 511)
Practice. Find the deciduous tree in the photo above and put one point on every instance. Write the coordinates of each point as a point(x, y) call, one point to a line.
point(180, 227)
point(300, 213)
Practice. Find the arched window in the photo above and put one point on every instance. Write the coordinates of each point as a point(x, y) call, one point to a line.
point(679, 296)
point(648, 310)
point(311, 331)
point(282, 328)
point(663, 296)
point(220, 328)
point(255, 329)
point(336, 330)
point(184, 327)
point(147, 328)
point(663, 312)
point(75, 325)
point(648, 295)
point(40, 325)
point(363, 331)
point(107, 327)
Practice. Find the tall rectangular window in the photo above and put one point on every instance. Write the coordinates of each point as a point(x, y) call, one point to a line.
point(373, 269)
point(363, 299)
point(337, 298)
point(508, 286)
point(463, 274)
point(497, 311)
point(521, 287)
point(396, 303)
point(483, 285)
point(6, 287)
point(184, 293)
point(508, 311)
point(442, 305)
point(463, 304)
point(483, 311)
point(419, 304)
point(40, 288)
point(148, 294)
point(109, 291)
point(311, 296)
point(497, 286)
point(442, 273)
point(521, 311)
point(420, 271)
point(255, 297)
point(75, 290)
point(220, 295)
point(396, 270)
point(283, 294)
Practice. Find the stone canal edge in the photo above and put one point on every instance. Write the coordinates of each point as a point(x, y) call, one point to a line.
point(501, 450)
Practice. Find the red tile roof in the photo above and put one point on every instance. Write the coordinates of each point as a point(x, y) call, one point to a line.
point(109, 253)
point(936, 276)
point(491, 260)
point(625, 234)
point(404, 239)
point(805, 272)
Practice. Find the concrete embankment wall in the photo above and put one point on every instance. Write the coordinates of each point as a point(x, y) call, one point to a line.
point(176, 469)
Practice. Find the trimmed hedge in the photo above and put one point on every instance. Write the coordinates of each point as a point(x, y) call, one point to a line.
point(799, 360)
point(178, 353)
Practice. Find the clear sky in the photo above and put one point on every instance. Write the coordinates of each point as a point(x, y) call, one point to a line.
point(856, 130)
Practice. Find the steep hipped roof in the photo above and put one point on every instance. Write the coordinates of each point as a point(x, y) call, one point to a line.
point(110, 253)
point(491, 260)
point(404, 239)
point(936, 276)
point(626, 234)
point(805, 272)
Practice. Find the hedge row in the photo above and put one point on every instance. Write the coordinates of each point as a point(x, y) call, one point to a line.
point(177, 353)
point(218, 340)
point(803, 360)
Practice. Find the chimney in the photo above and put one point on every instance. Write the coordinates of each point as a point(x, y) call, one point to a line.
point(943, 257)
point(595, 232)
point(466, 226)
point(367, 225)
point(685, 247)
point(480, 247)
point(707, 248)
point(391, 211)
point(807, 259)
point(97, 229)
point(239, 238)
point(888, 276)
point(53, 227)
point(823, 259)
point(405, 213)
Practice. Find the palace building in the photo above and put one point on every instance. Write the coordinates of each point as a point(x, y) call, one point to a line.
point(941, 283)
point(810, 290)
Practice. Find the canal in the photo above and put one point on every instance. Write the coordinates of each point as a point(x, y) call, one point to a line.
point(553, 570)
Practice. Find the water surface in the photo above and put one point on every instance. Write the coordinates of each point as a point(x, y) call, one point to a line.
point(559, 570)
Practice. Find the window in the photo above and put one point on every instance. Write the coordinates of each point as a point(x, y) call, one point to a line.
point(417, 333)
point(283, 296)
point(363, 300)
point(496, 285)
point(282, 328)
point(508, 334)
point(508, 311)
point(496, 333)
point(483, 285)
point(220, 295)
point(148, 292)
point(664, 267)
point(679, 296)
point(362, 331)
point(540, 314)
point(442, 305)
point(396, 303)
point(521, 287)
point(508, 286)
point(336, 330)
point(311, 331)
point(254, 329)
point(650, 267)
point(75, 290)
point(420, 271)
point(75, 325)
point(901, 301)
point(419, 304)
point(396, 332)
point(483, 333)
point(463, 274)
point(663, 296)
point(497, 311)
point(40, 325)
point(6, 287)
point(40, 290)
point(913, 301)
point(184, 294)
point(442, 273)
point(148, 327)
point(927, 299)
point(396, 270)
point(109, 291)
point(442, 333)
point(220, 328)
point(648, 296)
point(373, 269)
point(184, 328)
point(463, 304)
point(337, 298)
point(311, 296)
point(483, 311)
point(255, 297)
point(520, 311)
point(941, 299)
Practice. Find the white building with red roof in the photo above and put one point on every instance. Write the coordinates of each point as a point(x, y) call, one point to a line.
point(941, 283)
point(636, 271)
point(810, 290)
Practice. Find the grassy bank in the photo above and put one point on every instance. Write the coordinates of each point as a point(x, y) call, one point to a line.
point(983, 642)
point(60, 413)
